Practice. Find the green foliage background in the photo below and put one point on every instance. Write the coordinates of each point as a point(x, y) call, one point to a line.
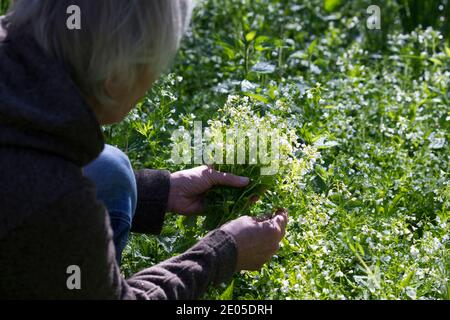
point(371, 220)
point(4, 4)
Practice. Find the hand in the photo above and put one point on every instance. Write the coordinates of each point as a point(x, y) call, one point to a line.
point(187, 188)
point(257, 241)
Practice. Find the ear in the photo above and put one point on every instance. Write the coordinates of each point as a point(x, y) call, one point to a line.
point(113, 88)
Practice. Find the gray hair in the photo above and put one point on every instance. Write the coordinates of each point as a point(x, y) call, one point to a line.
point(117, 37)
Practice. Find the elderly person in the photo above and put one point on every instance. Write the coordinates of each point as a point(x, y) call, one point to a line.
point(67, 201)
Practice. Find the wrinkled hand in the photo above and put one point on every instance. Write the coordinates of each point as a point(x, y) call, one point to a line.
point(256, 241)
point(188, 187)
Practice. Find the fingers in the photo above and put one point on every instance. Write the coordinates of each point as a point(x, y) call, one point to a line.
point(256, 241)
point(281, 218)
point(277, 225)
point(227, 179)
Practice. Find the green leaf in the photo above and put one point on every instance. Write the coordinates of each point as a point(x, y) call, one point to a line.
point(351, 246)
point(405, 282)
point(262, 39)
point(228, 293)
point(312, 46)
point(257, 97)
point(360, 249)
point(262, 43)
point(436, 61)
point(228, 49)
point(394, 203)
point(447, 50)
point(331, 5)
point(250, 36)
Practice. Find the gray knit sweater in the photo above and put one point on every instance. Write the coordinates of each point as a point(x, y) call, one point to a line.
point(49, 216)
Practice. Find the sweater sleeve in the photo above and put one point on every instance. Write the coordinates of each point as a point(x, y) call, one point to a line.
point(153, 188)
point(75, 231)
point(187, 276)
point(211, 260)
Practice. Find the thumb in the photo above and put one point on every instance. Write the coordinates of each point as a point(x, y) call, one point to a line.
point(281, 219)
point(228, 179)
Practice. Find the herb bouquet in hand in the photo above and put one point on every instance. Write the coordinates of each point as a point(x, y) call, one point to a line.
point(249, 141)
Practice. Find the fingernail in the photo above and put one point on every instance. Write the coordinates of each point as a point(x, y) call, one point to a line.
point(244, 180)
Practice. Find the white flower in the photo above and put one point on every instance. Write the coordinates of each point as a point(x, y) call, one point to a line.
point(411, 292)
point(414, 252)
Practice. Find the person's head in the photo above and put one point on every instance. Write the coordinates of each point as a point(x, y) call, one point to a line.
point(120, 50)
